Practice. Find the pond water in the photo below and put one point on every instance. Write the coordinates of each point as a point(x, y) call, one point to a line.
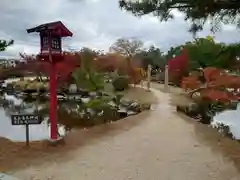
point(230, 118)
point(11, 105)
point(68, 117)
point(76, 109)
point(73, 112)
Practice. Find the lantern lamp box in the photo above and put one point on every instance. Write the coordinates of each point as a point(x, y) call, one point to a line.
point(51, 38)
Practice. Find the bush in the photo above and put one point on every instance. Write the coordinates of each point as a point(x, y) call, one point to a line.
point(120, 83)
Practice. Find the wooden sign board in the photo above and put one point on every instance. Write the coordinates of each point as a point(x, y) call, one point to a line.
point(25, 119)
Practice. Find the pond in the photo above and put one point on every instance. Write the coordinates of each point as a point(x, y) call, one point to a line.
point(73, 112)
point(230, 118)
point(69, 116)
point(11, 105)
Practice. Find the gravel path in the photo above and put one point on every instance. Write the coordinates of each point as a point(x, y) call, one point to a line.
point(162, 147)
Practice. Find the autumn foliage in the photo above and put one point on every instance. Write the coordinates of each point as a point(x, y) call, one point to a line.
point(178, 66)
point(217, 85)
point(70, 61)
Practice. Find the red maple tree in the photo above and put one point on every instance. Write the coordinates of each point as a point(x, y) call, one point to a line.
point(218, 85)
point(178, 66)
point(34, 65)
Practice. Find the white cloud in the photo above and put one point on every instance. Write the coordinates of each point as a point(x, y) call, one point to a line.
point(95, 24)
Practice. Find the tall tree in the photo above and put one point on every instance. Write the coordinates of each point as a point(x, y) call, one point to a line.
point(4, 44)
point(127, 47)
point(87, 50)
point(174, 51)
point(152, 56)
point(205, 52)
point(197, 11)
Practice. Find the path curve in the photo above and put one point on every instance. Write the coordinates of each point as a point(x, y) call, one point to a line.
point(162, 147)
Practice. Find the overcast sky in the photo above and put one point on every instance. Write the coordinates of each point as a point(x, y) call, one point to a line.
point(94, 23)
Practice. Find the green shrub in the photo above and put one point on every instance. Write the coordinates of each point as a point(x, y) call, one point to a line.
point(120, 83)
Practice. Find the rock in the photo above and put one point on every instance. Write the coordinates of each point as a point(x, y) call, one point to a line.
point(35, 94)
point(84, 93)
point(100, 113)
point(225, 130)
point(192, 110)
point(91, 111)
point(29, 91)
point(110, 114)
point(125, 103)
point(99, 93)
point(42, 90)
point(103, 94)
point(86, 99)
point(60, 97)
point(145, 106)
point(181, 109)
point(10, 93)
point(9, 88)
point(112, 103)
point(93, 94)
point(77, 98)
point(135, 106)
point(74, 97)
point(82, 113)
point(123, 112)
point(130, 113)
point(206, 118)
point(73, 88)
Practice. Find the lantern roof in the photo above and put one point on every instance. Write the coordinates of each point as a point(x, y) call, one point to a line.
point(57, 26)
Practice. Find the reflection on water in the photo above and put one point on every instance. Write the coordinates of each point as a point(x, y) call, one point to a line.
point(82, 109)
point(71, 113)
point(17, 133)
point(230, 118)
point(9, 105)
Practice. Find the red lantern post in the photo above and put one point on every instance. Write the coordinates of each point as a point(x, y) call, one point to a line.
point(51, 51)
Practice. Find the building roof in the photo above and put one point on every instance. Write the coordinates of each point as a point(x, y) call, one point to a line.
point(57, 26)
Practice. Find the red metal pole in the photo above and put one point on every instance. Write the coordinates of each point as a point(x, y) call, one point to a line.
point(53, 101)
point(53, 93)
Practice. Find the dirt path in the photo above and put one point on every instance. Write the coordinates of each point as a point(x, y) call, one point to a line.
point(163, 146)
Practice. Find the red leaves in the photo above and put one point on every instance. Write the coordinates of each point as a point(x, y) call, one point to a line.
point(37, 66)
point(226, 81)
point(179, 63)
point(211, 73)
point(216, 87)
point(217, 95)
point(191, 83)
point(178, 66)
point(70, 61)
point(64, 67)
